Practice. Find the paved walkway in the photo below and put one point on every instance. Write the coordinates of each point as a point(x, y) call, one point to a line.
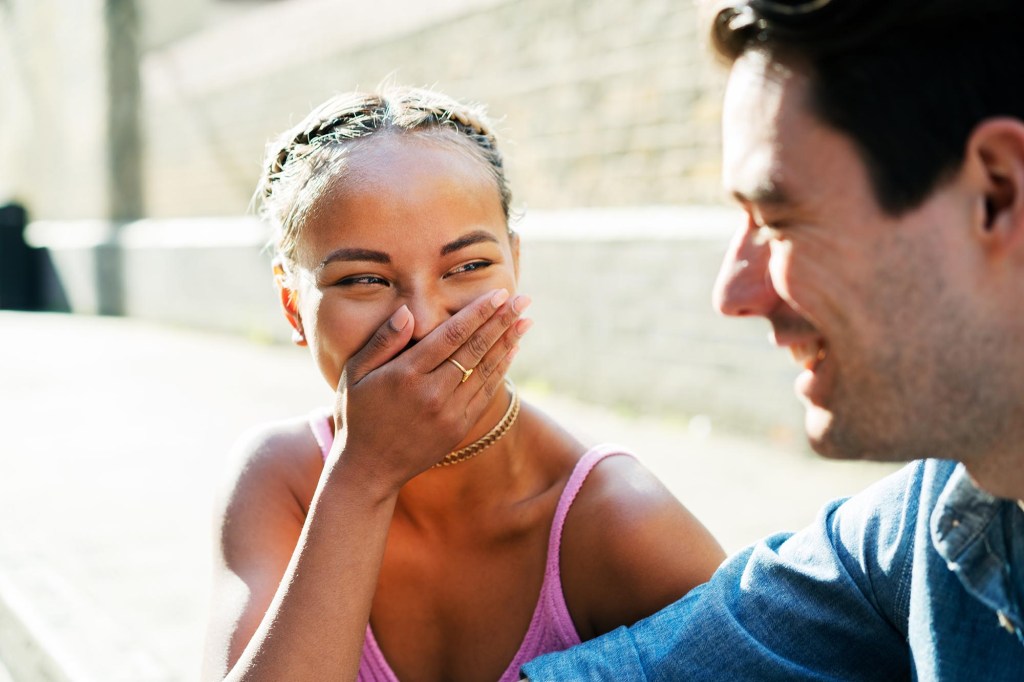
point(111, 443)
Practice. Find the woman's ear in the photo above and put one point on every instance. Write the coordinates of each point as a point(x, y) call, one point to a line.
point(997, 147)
point(289, 302)
point(513, 240)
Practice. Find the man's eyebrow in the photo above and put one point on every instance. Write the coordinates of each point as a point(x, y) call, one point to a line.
point(355, 254)
point(474, 237)
point(765, 194)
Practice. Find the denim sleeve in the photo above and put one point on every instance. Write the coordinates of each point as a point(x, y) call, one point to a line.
point(827, 603)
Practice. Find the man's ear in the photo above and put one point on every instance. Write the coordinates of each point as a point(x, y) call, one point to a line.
point(289, 302)
point(996, 148)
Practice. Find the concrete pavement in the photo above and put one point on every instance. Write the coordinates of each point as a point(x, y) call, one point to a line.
point(112, 438)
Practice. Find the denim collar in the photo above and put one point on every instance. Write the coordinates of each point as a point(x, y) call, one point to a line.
point(979, 537)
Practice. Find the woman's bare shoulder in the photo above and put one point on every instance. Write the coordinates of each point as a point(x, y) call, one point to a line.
point(269, 480)
point(621, 491)
point(627, 535)
point(280, 459)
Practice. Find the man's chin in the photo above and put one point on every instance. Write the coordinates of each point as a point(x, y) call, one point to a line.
point(819, 425)
point(834, 438)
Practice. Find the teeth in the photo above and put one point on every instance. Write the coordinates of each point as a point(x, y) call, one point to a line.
point(808, 354)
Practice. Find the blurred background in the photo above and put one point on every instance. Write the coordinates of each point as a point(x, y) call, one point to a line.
point(131, 137)
point(132, 134)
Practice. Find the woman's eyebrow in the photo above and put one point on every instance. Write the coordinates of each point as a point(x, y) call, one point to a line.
point(355, 254)
point(474, 237)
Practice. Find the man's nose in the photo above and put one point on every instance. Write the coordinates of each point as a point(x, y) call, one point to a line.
point(744, 286)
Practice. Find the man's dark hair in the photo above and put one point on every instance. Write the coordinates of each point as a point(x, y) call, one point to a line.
point(907, 80)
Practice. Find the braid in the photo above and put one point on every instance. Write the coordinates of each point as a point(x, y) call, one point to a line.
point(341, 118)
point(304, 159)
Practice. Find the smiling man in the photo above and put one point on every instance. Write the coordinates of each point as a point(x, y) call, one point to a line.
point(877, 148)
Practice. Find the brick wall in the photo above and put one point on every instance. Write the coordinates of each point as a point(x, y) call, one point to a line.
point(602, 102)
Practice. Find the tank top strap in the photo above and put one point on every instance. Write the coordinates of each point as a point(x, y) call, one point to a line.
point(552, 628)
point(323, 430)
point(579, 475)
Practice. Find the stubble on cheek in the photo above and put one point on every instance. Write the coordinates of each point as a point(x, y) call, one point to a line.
point(867, 411)
point(910, 388)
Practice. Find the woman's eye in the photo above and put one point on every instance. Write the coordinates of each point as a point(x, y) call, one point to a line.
point(470, 267)
point(362, 279)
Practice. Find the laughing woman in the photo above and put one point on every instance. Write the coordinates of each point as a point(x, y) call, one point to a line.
point(430, 526)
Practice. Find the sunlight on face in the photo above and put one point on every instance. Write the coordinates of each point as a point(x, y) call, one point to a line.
point(416, 220)
point(868, 304)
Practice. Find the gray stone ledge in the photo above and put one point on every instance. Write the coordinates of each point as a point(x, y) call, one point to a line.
point(622, 302)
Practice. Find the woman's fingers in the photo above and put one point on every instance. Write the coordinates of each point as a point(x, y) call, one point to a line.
point(492, 362)
point(421, 390)
point(387, 342)
point(466, 339)
point(449, 336)
point(469, 336)
point(494, 365)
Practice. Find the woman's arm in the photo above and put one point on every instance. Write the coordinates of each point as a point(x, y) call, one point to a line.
point(293, 591)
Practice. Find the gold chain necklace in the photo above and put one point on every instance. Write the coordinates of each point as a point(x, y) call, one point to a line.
point(489, 438)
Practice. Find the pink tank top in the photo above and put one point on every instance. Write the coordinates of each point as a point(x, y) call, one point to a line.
point(551, 628)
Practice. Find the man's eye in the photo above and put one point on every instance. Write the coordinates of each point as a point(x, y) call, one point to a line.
point(770, 232)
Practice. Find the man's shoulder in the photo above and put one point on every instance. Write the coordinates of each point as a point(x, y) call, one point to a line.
point(914, 489)
point(873, 534)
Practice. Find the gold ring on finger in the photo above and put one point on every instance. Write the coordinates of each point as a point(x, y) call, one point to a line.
point(465, 372)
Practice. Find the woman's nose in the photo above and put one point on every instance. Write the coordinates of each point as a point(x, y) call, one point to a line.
point(744, 286)
point(430, 309)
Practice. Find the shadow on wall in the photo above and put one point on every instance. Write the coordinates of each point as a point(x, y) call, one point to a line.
point(28, 280)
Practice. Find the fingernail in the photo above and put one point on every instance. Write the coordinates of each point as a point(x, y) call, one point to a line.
point(512, 353)
point(400, 319)
point(499, 297)
point(523, 325)
point(521, 303)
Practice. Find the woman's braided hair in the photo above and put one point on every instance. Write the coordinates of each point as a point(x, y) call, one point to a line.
point(304, 160)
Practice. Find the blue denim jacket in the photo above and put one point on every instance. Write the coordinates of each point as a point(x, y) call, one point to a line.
point(918, 577)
